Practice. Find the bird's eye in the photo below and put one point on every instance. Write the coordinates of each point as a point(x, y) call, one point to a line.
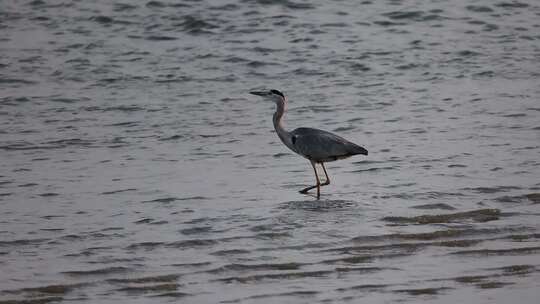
point(277, 92)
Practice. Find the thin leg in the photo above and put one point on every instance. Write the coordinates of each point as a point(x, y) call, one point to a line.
point(318, 185)
point(327, 182)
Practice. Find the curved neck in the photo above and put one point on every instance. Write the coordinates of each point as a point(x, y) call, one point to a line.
point(277, 119)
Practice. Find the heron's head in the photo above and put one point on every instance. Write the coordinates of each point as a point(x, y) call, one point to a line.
point(274, 95)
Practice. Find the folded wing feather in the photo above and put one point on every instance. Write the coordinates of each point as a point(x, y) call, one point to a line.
point(323, 146)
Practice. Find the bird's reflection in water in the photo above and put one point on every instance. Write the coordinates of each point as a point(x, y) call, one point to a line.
point(318, 205)
point(316, 220)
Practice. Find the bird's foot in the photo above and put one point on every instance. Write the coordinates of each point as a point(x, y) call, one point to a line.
point(305, 190)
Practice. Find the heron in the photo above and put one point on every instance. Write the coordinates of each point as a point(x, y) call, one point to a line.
point(316, 145)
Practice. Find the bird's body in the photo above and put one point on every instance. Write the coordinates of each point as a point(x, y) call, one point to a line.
point(318, 146)
point(322, 146)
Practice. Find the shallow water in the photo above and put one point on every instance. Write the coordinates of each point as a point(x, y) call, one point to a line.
point(134, 166)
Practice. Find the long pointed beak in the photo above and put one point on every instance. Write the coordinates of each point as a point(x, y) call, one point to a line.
point(259, 93)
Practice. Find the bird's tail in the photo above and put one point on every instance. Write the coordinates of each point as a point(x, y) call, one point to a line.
point(356, 149)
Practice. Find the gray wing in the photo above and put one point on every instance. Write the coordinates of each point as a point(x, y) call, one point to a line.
point(323, 146)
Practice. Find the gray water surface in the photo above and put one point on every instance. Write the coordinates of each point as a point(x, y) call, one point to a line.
point(136, 168)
